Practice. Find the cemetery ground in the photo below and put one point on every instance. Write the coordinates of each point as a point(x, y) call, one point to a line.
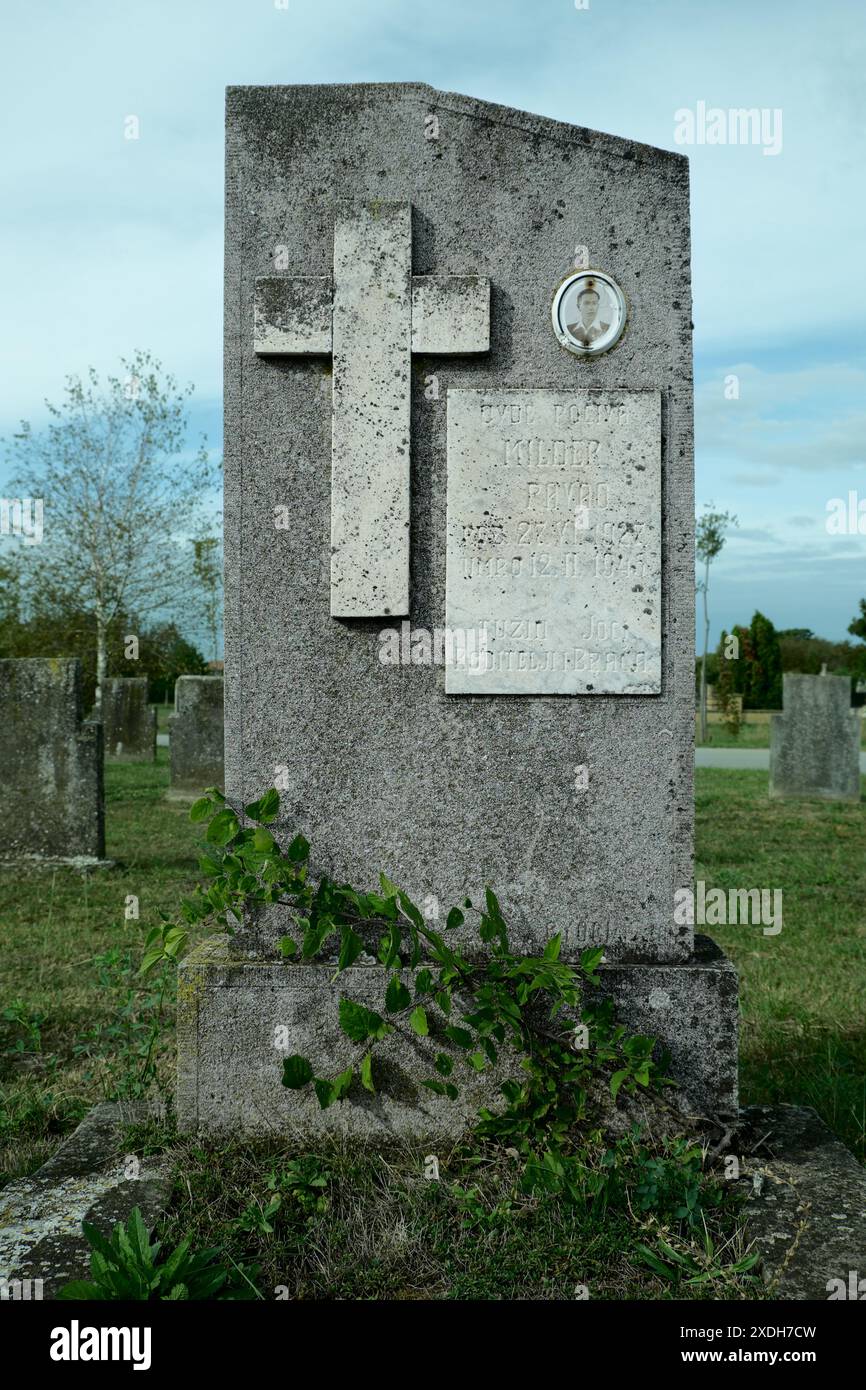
point(334, 1222)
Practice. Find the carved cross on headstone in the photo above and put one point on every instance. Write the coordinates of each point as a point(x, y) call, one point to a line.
point(371, 317)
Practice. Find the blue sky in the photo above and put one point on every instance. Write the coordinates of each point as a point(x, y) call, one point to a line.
point(107, 244)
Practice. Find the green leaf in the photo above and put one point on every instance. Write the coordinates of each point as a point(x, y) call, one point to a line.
point(444, 1064)
point(341, 1083)
point(201, 809)
point(423, 982)
point(297, 1072)
point(222, 828)
point(455, 918)
point(478, 1060)
point(324, 1092)
point(389, 889)
point(287, 946)
point(266, 808)
point(552, 949)
point(461, 1036)
point(397, 996)
point(360, 1023)
point(443, 999)
point(411, 911)
point(389, 947)
point(367, 1072)
point(616, 1081)
point(351, 947)
point(418, 1022)
point(263, 840)
point(299, 850)
point(435, 1086)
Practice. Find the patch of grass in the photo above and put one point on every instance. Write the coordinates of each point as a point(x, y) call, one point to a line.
point(384, 1231)
point(70, 953)
point(803, 1033)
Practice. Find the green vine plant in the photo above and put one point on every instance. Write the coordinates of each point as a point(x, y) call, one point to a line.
point(431, 988)
point(543, 1018)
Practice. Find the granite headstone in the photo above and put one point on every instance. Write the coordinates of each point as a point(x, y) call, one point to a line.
point(129, 722)
point(196, 736)
point(459, 565)
point(815, 741)
point(51, 760)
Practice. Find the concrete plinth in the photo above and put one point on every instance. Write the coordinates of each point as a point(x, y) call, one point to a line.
point(231, 1011)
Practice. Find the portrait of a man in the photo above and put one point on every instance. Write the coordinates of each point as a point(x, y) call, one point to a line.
point(588, 312)
point(590, 326)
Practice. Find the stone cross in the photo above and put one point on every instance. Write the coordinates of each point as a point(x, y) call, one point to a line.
point(370, 317)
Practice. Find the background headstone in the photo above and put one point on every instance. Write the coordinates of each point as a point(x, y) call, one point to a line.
point(196, 736)
point(129, 723)
point(570, 795)
point(815, 741)
point(51, 763)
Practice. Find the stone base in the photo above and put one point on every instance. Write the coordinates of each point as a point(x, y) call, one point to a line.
point(88, 1178)
point(237, 1018)
point(807, 1211)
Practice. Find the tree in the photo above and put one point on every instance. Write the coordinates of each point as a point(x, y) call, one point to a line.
point(857, 626)
point(121, 494)
point(163, 655)
point(709, 539)
point(726, 686)
point(764, 670)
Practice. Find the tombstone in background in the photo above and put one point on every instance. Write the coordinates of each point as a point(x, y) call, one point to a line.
point(815, 741)
point(51, 761)
point(128, 721)
point(437, 417)
point(196, 736)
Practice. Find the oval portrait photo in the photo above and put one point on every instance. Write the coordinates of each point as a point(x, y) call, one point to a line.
point(588, 312)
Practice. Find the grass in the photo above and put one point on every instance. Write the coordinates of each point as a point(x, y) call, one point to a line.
point(81, 1021)
point(384, 1231)
point(803, 1032)
point(70, 954)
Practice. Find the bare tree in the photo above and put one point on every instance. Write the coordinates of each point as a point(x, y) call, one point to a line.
point(121, 496)
point(709, 539)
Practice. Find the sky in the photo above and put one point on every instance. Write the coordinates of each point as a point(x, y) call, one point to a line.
point(108, 243)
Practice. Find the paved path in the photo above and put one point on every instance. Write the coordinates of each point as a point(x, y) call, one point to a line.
point(743, 757)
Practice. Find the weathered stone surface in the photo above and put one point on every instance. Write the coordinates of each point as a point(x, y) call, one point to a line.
point(53, 803)
point(89, 1178)
point(808, 1217)
point(293, 315)
point(450, 314)
point(815, 742)
point(196, 736)
point(554, 542)
point(231, 1008)
point(380, 769)
point(576, 808)
point(372, 328)
point(128, 722)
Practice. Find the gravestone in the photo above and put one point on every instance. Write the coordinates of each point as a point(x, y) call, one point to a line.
point(459, 566)
point(129, 723)
point(815, 741)
point(196, 736)
point(51, 762)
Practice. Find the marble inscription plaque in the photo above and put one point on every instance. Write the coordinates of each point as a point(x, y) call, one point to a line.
point(554, 543)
